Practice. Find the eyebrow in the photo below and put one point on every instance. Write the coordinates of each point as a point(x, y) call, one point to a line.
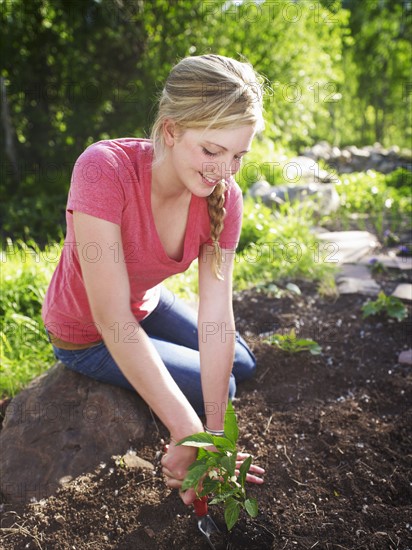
point(224, 148)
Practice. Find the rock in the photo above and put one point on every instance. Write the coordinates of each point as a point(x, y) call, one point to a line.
point(347, 246)
point(403, 291)
point(353, 285)
point(303, 169)
point(405, 357)
point(326, 198)
point(351, 271)
point(62, 425)
point(132, 461)
point(356, 159)
point(260, 188)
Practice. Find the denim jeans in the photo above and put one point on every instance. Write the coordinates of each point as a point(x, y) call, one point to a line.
point(172, 328)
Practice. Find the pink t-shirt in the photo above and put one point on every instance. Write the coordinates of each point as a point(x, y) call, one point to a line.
point(111, 180)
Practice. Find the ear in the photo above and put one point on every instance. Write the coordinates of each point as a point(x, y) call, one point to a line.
point(169, 132)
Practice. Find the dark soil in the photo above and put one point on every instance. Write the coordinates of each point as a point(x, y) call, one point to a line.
point(333, 432)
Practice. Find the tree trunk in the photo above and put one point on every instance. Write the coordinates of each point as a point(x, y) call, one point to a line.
point(8, 130)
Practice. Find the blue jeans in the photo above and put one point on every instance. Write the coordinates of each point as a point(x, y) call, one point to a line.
point(172, 328)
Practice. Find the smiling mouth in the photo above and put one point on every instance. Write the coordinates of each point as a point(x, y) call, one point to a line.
point(210, 182)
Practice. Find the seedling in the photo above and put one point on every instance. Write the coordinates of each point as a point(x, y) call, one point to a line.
point(291, 344)
point(214, 471)
point(390, 305)
point(376, 266)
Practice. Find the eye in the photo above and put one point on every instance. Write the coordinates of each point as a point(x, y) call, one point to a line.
point(208, 153)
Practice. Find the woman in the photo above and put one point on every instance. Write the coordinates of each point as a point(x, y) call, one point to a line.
point(140, 211)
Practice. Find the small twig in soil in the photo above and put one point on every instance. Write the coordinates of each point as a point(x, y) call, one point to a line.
point(264, 373)
point(393, 473)
point(266, 529)
point(22, 531)
point(268, 424)
point(286, 454)
point(313, 545)
point(154, 420)
point(299, 482)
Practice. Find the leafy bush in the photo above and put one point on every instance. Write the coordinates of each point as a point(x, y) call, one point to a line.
point(400, 179)
point(40, 218)
point(279, 245)
point(264, 161)
point(291, 344)
point(372, 194)
point(392, 306)
point(25, 350)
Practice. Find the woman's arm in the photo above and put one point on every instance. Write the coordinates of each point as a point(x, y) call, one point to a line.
point(216, 334)
point(108, 291)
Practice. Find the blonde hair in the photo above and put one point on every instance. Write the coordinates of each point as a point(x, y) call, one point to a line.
point(210, 92)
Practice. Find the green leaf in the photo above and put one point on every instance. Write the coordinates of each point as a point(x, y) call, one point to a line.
point(230, 424)
point(251, 507)
point(223, 443)
point(227, 464)
point(316, 350)
point(194, 476)
point(232, 510)
point(197, 440)
point(197, 463)
point(209, 486)
point(243, 470)
point(223, 496)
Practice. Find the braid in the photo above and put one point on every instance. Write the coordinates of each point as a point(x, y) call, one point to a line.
point(217, 212)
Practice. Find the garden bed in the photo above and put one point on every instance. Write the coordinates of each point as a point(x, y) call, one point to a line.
point(333, 432)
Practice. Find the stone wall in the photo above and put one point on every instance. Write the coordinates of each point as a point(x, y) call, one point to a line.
point(355, 159)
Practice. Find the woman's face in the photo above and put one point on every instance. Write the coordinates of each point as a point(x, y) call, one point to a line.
point(201, 159)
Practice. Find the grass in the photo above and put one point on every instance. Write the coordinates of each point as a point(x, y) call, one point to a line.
point(25, 351)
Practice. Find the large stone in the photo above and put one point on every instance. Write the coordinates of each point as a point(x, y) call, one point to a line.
point(324, 196)
point(354, 285)
point(403, 291)
point(355, 159)
point(348, 246)
point(405, 357)
point(62, 425)
point(304, 169)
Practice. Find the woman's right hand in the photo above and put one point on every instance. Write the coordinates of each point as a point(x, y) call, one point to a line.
point(175, 463)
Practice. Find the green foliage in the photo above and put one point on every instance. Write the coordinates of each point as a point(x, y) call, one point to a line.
point(392, 306)
point(265, 161)
point(401, 179)
point(279, 245)
point(368, 193)
point(214, 472)
point(25, 351)
point(39, 219)
point(291, 344)
point(80, 71)
point(376, 266)
point(378, 70)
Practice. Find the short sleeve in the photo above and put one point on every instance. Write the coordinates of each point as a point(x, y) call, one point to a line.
point(229, 238)
point(96, 184)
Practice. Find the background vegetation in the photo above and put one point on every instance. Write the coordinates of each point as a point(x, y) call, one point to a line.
point(77, 71)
